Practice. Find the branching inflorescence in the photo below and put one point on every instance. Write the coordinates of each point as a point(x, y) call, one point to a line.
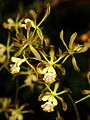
point(26, 54)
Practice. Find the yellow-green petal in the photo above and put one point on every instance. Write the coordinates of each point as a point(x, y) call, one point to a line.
point(72, 38)
point(61, 37)
point(75, 64)
point(40, 34)
point(53, 100)
point(35, 52)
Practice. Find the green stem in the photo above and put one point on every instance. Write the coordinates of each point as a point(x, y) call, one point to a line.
point(8, 48)
point(74, 105)
point(65, 59)
point(31, 66)
point(58, 115)
point(62, 56)
point(48, 88)
point(62, 92)
point(84, 98)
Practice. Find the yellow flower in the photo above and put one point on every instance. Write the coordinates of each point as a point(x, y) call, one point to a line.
point(9, 24)
point(17, 113)
point(30, 22)
point(48, 107)
point(16, 116)
point(73, 48)
point(51, 97)
point(47, 67)
point(4, 103)
point(33, 23)
point(30, 80)
point(13, 24)
point(15, 68)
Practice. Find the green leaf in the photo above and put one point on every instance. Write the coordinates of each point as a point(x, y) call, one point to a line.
point(72, 38)
point(75, 64)
point(35, 52)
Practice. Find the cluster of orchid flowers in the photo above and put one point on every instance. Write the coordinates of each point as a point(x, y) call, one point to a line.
point(11, 111)
point(30, 47)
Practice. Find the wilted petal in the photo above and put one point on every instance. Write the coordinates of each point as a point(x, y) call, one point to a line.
point(64, 105)
point(62, 69)
point(20, 37)
point(84, 48)
point(86, 92)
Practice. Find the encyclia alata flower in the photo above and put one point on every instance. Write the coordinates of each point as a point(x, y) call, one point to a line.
point(15, 68)
point(73, 48)
point(47, 67)
point(17, 113)
point(50, 98)
point(13, 24)
point(32, 34)
point(30, 80)
point(4, 104)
